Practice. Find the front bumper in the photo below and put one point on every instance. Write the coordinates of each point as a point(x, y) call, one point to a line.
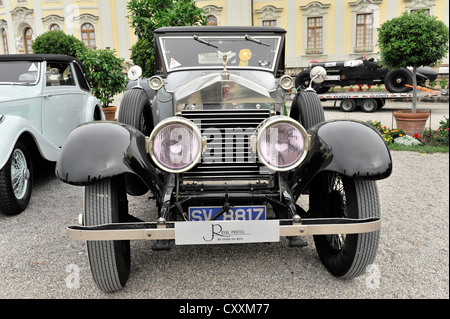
point(168, 231)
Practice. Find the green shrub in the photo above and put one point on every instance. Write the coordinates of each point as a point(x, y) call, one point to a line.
point(148, 15)
point(57, 42)
point(104, 74)
point(143, 54)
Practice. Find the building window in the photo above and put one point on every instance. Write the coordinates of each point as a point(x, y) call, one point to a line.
point(315, 35)
point(4, 41)
point(55, 27)
point(28, 40)
point(88, 35)
point(269, 23)
point(364, 32)
point(211, 20)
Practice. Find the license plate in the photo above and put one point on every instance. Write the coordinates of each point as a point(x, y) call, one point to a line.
point(235, 213)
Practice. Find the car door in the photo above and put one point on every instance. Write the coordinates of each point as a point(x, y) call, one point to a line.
point(63, 102)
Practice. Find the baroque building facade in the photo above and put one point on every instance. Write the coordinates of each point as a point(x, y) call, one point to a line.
point(98, 23)
point(317, 30)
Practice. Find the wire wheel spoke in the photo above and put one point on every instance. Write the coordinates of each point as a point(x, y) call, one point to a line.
point(338, 208)
point(19, 179)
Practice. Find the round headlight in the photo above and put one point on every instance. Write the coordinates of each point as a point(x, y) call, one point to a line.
point(286, 82)
point(175, 145)
point(155, 82)
point(282, 143)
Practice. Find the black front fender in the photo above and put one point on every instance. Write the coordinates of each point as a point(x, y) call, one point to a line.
point(98, 150)
point(350, 148)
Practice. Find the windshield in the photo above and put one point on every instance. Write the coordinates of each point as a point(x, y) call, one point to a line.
point(206, 52)
point(19, 72)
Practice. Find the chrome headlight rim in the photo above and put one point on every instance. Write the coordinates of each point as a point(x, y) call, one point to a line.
point(276, 120)
point(180, 121)
point(156, 82)
point(286, 82)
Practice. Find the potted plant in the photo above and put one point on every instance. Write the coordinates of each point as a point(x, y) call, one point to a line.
point(104, 73)
point(412, 40)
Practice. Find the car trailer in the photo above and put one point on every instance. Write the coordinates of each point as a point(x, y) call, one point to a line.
point(370, 101)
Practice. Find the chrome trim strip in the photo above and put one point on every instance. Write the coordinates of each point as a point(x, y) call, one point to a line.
point(150, 231)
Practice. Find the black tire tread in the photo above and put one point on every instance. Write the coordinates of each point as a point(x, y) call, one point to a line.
point(367, 246)
point(99, 199)
point(134, 103)
point(307, 109)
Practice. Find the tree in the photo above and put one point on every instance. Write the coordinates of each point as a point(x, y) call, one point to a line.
point(148, 15)
point(57, 42)
point(412, 40)
point(104, 74)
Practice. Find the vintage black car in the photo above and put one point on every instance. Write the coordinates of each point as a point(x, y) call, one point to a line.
point(210, 138)
point(364, 71)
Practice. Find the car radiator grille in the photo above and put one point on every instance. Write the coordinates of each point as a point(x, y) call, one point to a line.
point(228, 154)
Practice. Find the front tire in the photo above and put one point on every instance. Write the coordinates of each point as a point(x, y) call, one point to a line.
point(16, 180)
point(395, 81)
point(105, 203)
point(307, 109)
point(135, 110)
point(335, 195)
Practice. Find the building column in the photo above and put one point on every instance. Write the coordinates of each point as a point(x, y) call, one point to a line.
point(70, 12)
point(123, 28)
point(238, 12)
point(10, 29)
point(104, 12)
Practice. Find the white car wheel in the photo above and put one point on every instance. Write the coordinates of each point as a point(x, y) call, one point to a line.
point(16, 181)
point(20, 174)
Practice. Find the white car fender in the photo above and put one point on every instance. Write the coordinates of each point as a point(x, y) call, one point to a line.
point(92, 103)
point(12, 128)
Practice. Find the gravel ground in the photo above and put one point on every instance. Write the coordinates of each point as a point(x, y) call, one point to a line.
point(37, 260)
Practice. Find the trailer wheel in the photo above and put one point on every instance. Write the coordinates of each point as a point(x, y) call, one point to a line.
point(347, 105)
point(369, 105)
point(105, 203)
point(381, 102)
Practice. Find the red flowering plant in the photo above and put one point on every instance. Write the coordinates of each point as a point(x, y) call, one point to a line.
point(439, 136)
point(388, 135)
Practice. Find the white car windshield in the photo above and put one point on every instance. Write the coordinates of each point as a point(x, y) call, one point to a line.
point(19, 72)
point(206, 52)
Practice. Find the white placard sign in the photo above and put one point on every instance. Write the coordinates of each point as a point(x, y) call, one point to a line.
point(226, 232)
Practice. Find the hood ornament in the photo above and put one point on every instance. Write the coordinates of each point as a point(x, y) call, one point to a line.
point(225, 57)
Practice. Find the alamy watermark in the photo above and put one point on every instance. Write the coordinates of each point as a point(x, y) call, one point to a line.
point(373, 276)
point(73, 279)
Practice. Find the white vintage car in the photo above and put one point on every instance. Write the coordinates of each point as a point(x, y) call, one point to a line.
point(42, 99)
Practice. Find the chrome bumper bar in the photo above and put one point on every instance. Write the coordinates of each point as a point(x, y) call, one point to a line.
point(166, 231)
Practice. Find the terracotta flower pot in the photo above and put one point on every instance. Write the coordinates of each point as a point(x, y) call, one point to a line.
point(110, 112)
point(412, 123)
